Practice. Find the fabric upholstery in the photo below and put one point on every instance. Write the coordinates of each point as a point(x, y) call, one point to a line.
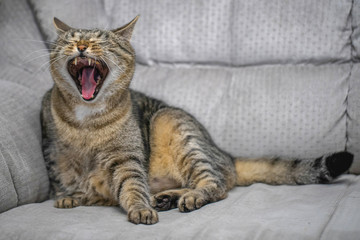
point(325, 212)
point(218, 32)
point(23, 167)
point(356, 30)
point(23, 177)
point(265, 77)
point(239, 34)
point(354, 116)
point(280, 110)
point(24, 57)
point(354, 91)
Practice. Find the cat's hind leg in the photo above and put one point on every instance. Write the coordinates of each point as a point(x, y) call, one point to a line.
point(183, 150)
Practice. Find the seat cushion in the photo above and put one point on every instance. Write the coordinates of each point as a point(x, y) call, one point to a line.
point(256, 212)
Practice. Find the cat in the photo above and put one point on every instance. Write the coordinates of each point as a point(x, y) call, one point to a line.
point(105, 144)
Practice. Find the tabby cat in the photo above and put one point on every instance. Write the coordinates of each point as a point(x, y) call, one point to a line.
point(105, 144)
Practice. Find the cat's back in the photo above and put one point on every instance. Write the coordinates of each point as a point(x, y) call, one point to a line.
point(145, 105)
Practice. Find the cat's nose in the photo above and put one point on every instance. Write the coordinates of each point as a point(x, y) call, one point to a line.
point(81, 48)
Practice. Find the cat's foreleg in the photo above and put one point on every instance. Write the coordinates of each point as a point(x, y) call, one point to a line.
point(130, 189)
point(68, 200)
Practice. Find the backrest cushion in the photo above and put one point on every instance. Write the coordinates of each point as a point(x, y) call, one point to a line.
point(233, 33)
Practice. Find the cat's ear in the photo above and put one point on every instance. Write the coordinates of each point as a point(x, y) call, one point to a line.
point(60, 26)
point(126, 30)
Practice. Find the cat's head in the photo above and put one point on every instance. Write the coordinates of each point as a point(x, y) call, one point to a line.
point(92, 65)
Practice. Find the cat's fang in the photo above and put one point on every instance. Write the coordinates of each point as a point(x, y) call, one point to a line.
point(75, 61)
point(89, 61)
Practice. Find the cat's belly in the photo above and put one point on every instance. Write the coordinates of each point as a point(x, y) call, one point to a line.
point(159, 184)
point(166, 146)
point(163, 172)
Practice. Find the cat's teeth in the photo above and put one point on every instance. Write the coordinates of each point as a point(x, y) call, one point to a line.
point(89, 61)
point(75, 61)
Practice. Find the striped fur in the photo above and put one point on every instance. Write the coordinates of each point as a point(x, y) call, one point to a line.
point(124, 148)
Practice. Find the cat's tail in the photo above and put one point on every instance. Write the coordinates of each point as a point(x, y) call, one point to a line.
point(278, 171)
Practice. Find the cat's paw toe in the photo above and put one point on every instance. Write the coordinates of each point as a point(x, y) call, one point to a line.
point(66, 202)
point(163, 202)
point(144, 215)
point(191, 201)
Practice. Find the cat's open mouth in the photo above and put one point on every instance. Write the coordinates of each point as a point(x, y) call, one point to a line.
point(88, 74)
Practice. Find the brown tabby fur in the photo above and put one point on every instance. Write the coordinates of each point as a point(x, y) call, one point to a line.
point(122, 146)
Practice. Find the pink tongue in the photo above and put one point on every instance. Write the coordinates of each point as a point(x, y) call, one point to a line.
point(88, 83)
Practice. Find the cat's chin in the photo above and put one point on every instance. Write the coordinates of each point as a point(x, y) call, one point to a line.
point(88, 74)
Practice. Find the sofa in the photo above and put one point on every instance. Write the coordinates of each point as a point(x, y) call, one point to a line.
point(265, 77)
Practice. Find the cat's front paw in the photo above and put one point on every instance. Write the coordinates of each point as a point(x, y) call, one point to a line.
point(66, 202)
point(191, 201)
point(144, 215)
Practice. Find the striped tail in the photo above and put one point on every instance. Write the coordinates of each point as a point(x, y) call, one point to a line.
point(278, 171)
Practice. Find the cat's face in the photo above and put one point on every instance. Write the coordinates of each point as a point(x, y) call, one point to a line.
point(92, 65)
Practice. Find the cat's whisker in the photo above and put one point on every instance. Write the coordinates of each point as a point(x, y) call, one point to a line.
point(41, 68)
point(121, 70)
point(35, 58)
point(33, 40)
point(39, 51)
point(113, 72)
point(35, 52)
point(50, 62)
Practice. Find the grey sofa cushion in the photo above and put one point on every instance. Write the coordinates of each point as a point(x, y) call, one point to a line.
point(218, 32)
point(284, 110)
point(24, 57)
point(354, 116)
point(268, 110)
point(354, 92)
point(256, 212)
point(23, 177)
point(356, 30)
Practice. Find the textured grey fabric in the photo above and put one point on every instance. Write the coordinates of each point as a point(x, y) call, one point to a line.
point(23, 177)
point(354, 116)
point(8, 196)
point(293, 103)
point(24, 172)
point(285, 110)
point(226, 32)
point(257, 212)
point(24, 56)
point(354, 92)
point(356, 30)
